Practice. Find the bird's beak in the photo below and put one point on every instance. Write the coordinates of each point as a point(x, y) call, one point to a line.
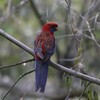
point(56, 28)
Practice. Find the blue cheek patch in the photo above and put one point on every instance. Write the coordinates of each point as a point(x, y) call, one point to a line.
point(52, 29)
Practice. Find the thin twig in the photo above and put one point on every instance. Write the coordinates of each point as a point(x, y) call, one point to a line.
point(71, 59)
point(85, 20)
point(68, 95)
point(35, 10)
point(17, 82)
point(68, 2)
point(84, 90)
point(53, 64)
point(16, 64)
point(13, 10)
point(94, 40)
point(64, 36)
point(96, 18)
point(19, 5)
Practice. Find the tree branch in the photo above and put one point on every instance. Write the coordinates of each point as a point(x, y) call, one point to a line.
point(16, 82)
point(54, 65)
point(34, 8)
point(16, 64)
point(84, 90)
point(15, 41)
point(30, 93)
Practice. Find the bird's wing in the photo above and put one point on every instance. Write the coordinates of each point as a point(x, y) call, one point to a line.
point(50, 47)
point(38, 46)
point(44, 45)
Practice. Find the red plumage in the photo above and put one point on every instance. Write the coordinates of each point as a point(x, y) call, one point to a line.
point(45, 40)
point(44, 46)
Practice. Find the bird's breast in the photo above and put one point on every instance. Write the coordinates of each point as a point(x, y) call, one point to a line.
point(46, 41)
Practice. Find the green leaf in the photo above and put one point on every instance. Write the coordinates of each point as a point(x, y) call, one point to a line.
point(68, 80)
point(89, 95)
point(95, 94)
point(90, 92)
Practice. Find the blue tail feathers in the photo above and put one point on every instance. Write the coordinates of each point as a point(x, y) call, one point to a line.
point(41, 73)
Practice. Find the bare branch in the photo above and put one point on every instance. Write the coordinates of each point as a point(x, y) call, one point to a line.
point(64, 36)
point(20, 92)
point(84, 90)
point(12, 10)
point(68, 95)
point(9, 7)
point(94, 40)
point(95, 21)
point(71, 59)
point(90, 9)
point(76, 74)
point(34, 8)
point(68, 2)
point(16, 82)
point(16, 64)
point(15, 41)
point(21, 3)
point(54, 65)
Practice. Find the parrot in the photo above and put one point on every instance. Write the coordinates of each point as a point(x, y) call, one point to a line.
point(44, 47)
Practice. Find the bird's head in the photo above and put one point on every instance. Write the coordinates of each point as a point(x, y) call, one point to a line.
point(50, 27)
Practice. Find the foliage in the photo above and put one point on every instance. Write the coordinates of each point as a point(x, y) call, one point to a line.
point(80, 53)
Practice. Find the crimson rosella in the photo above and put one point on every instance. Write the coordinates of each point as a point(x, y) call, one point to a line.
point(44, 46)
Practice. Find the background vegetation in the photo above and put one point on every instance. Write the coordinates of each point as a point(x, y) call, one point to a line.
point(77, 47)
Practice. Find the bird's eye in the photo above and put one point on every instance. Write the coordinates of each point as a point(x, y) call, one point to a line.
point(53, 29)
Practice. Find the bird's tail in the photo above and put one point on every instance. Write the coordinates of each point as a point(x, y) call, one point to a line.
point(41, 72)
